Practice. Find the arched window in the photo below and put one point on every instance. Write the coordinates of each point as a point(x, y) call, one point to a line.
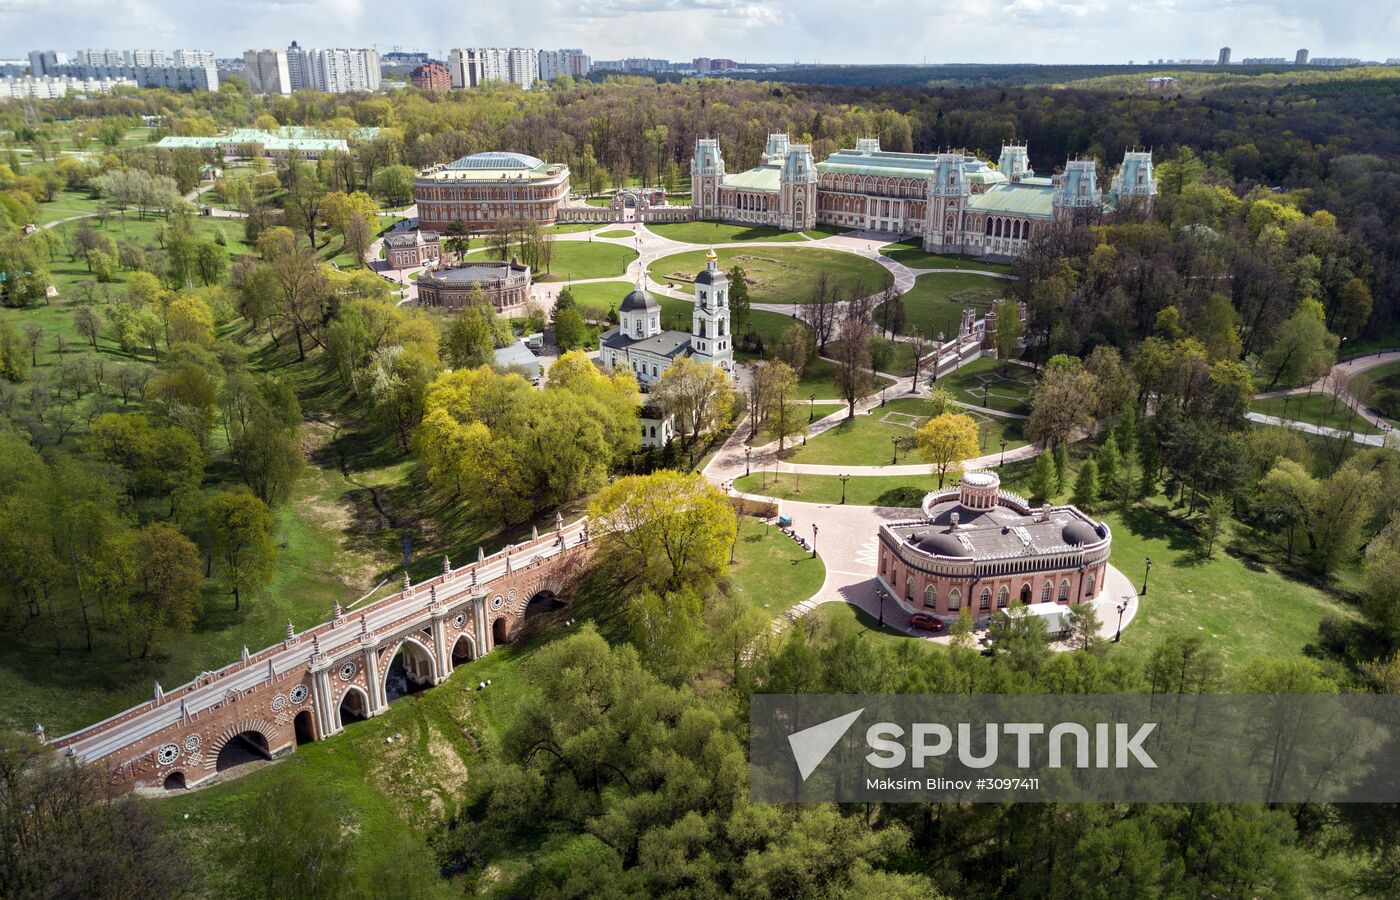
point(955, 600)
point(1064, 589)
point(909, 589)
point(1026, 592)
point(1002, 596)
point(984, 600)
point(930, 596)
point(1089, 586)
point(653, 431)
point(1045, 592)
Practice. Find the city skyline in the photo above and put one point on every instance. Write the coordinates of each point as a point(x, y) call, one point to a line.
point(777, 31)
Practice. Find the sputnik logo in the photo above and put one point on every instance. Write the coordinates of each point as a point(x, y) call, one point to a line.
point(811, 745)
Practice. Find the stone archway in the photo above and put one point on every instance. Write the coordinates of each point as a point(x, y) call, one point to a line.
point(464, 651)
point(505, 629)
point(175, 781)
point(354, 706)
point(410, 669)
point(303, 728)
point(242, 749)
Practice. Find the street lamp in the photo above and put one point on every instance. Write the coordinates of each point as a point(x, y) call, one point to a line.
point(1148, 571)
point(1001, 461)
point(882, 393)
point(748, 451)
point(985, 385)
point(814, 540)
point(734, 544)
point(844, 479)
point(811, 407)
point(894, 448)
point(881, 593)
point(1121, 608)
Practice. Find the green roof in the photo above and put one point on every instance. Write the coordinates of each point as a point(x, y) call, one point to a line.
point(299, 139)
point(1033, 200)
point(762, 178)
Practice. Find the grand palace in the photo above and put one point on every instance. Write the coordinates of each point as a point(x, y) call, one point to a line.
point(955, 202)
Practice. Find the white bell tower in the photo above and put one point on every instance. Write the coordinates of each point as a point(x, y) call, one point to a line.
point(710, 337)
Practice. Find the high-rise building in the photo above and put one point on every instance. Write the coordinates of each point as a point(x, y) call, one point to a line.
point(148, 58)
point(299, 68)
point(474, 66)
point(1301, 59)
point(267, 71)
point(101, 58)
point(553, 63)
point(1224, 58)
point(43, 62)
point(342, 71)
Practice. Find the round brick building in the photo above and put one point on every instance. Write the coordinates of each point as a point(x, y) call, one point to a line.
point(505, 285)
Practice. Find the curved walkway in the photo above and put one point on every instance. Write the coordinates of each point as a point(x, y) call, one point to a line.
point(1338, 381)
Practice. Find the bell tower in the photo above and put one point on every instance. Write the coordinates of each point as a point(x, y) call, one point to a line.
point(706, 175)
point(710, 338)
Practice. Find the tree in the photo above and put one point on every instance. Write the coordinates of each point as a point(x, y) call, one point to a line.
point(1217, 513)
point(1086, 485)
point(304, 197)
point(854, 378)
point(569, 330)
point(1062, 403)
point(1045, 481)
point(168, 576)
point(1381, 572)
point(739, 308)
point(457, 239)
point(66, 835)
point(1109, 462)
point(1009, 329)
point(699, 395)
point(1084, 627)
point(240, 535)
point(667, 530)
point(87, 323)
point(471, 337)
point(795, 348)
point(780, 403)
point(292, 842)
point(1304, 349)
point(946, 440)
point(189, 319)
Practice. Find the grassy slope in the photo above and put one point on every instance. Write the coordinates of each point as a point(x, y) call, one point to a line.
point(1007, 385)
point(1317, 409)
point(865, 490)
point(783, 274)
point(771, 571)
point(936, 301)
point(865, 440)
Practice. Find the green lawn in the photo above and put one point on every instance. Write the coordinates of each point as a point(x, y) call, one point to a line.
point(819, 378)
point(824, 231)
point(913, 255)
point(844, 615)
point(992, 383)
point(616, 233)
point(781, 274)
point(66, 204)
point(866, 439)
point(1325, 410)
point(771, 572)
point(1243, 609)
point(588, 259)
point(935, 304)
point(861, 490)
point(708, 232)
point(1364, 385)
point(572, 227)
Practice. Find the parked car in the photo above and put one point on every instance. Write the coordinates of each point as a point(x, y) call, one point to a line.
point(925, 621)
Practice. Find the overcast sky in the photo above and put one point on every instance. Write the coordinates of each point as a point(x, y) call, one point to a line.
point(835, 31)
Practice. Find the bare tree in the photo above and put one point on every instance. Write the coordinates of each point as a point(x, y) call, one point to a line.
point(854, 377)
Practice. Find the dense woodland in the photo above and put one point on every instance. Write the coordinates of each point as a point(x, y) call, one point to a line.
point(144, 463)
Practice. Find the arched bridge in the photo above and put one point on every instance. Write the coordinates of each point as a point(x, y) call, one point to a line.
point(309, 685)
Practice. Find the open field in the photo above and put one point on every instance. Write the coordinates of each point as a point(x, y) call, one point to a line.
point(771, 572)
point(615, 233)
point(780, 274)
point(867, 440)
point(913, 255)
point(861, 490)
point(992, 383)
point(709, 232)
point(587, 259)
point(935, 304)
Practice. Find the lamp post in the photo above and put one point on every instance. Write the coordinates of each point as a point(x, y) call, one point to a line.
point(881, 593)
point(734, 544)
point(1121, 608)
point(894, 449)
point(1002, 461)
point(844, 479)
point(748, 451)
point(1146, 573)
point(882, 393)
point(984, 393)
point(814, 540)
point(811, 407)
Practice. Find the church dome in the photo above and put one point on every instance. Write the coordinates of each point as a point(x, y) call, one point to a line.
point(942, 543)
point(639, 301)
point(1079, 532)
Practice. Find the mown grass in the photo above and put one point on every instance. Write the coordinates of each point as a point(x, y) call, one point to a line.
point(1324, 410)
point(992, 383)
point(711, 232)
point(867, 439)
point(782, 275)
point(935, 304)
point(861, 490)
point(771, 572)
point(913, 255)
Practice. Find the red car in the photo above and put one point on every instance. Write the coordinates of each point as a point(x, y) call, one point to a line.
point(924, 621)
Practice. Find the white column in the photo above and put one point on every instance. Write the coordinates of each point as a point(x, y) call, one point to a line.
point(479, 615)
point(323, 702)
point(378, 702)
point(444, 665)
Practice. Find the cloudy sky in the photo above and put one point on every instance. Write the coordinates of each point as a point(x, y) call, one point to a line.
point(848, 31)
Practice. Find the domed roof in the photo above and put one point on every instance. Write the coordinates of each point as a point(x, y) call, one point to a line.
point(1079, 532)
point(639, 301)
point(496, 159)
point(941, 543)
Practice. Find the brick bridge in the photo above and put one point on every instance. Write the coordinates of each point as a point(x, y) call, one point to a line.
point(311, 684)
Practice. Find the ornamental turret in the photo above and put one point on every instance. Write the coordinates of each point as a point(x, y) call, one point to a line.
point(1077, 188)
point(706, 175)
point(797, 205)
point(1015, 163)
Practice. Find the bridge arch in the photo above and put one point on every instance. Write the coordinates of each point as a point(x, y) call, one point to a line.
point(353, 706)
point(175, 781)
point(411, 667)
point(244, 743)
point(303, 727)
point(464, 650)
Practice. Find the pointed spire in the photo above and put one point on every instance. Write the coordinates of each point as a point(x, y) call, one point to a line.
point(184, 713)
point(480, 553)
point(315, 645)
point(159, 694)
point(407, 582)
point(446, 565)
point(364, 625)
point(534, 532)
point(558, 521)
point(271, 671)
point(246, 654)
point(432, 593)
point(335, 610)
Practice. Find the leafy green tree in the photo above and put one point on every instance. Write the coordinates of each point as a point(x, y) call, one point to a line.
point(739, 303)
point(1109, 461)
point(292, 842)
point(945, 441)
point(471, 337)
point(166, 595)
point(240, 534)
point(1303, 350)
point(570, 332)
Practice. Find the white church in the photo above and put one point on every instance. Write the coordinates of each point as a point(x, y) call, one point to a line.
point(639, 343)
